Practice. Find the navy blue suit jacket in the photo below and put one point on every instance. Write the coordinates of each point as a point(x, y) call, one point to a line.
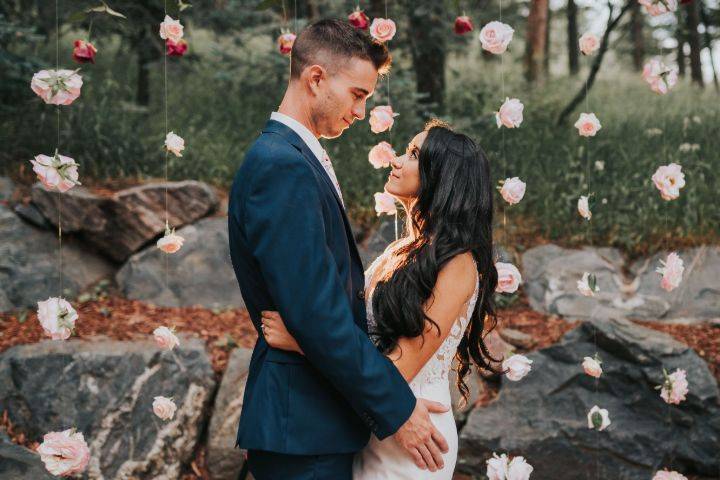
point(293, 251)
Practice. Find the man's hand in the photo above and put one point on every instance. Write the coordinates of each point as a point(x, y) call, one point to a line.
point(419, 437)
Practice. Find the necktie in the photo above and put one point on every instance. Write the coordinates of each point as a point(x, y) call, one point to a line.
point(327, 165)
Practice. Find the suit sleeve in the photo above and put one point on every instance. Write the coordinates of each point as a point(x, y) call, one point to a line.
point(284, 224)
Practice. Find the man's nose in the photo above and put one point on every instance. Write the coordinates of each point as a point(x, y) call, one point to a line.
point(359, 111)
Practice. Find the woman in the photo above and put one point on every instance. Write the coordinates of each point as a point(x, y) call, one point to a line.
point(429, 293)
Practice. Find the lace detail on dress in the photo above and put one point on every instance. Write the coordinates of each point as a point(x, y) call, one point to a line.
point(438, 367)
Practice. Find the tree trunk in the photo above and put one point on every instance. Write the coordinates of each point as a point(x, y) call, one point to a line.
point(546, 53)
point(572, 38)
point(535, 41)
point(636, 33)
point(680, 37)
point(709, 43)
point(693, 20)
point(427, 46)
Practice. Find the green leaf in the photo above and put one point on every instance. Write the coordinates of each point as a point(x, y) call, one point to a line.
point(112, 12)
point(182, 5)
point(592, 282)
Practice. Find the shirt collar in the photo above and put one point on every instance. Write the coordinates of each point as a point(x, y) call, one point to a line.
point(310, 140)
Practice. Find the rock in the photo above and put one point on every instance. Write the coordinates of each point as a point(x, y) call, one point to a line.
point(106, 389)
point(544, 416)
point(19, 463)
point(476, 385)
point(697, 297)
point(7, 188)
point(29, 264)
point(517, 338)
point(550, 276)
point(378, 240)
point(200, 273)
point(224, 461)
point(122, 223)
point(30, 213)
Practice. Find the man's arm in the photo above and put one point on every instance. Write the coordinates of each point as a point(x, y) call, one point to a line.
point(283, 220)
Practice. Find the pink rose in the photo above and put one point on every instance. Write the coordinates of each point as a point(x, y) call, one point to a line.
point(174, 144)
point(83, 52)
point(669, 179)
point(513, 190)
point(659, 76)
point(171, 242)
point(57, 87)
point(509, 277)
point(589, 43)
point(658, 7)
point(592, 367)
point(519, 469)
point(675, 387)
point(497, 467)
point(463, 25)
point(173, 49)
point(382, 29)
point(165, 338)
point(598, 418)
point(57, 318)
point(583, 207)
point(510, 113)
point(285, 42)
point(171, 29)
point(588, 125)
point(669, 475)
point(381, 155)
point(57, 172)
point(64, 453)
point(516, 367)
point(385, 203)
point(672, 271)
point(164, 407)
point(382, 118)
point(495, 37)
point(358, 19)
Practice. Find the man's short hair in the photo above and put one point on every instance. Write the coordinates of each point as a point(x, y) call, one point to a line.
point(331, 42)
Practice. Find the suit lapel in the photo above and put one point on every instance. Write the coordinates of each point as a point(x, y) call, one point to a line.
point(294, 139)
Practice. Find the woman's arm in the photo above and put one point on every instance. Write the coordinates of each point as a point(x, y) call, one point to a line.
point(454, 287)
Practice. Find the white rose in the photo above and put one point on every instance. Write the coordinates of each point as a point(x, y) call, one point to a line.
point(513, 190)
point(598, 418)
point(174, 144)
point(517, 366)
point(164, 407)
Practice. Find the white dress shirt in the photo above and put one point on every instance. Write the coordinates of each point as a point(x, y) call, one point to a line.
point(313, 144)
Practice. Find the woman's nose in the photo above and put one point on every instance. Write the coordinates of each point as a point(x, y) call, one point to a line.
point(397, 162)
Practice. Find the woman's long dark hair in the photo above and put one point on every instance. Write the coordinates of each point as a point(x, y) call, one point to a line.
point(453, 214)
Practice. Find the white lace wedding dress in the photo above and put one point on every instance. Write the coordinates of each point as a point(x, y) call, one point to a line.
point(386, 460)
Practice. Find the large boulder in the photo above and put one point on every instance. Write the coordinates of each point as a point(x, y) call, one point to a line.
point(550, 275)
point(122, 223)
point(29, 264)
point(378, 240)
point(544, 416)
point(200, 273)
point(224, 461)
point(19, 463)
point(106, 389)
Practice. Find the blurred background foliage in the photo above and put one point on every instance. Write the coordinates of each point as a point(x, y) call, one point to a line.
point(222, 92)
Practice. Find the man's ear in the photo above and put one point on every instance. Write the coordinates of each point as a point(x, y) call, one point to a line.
point(315, 76)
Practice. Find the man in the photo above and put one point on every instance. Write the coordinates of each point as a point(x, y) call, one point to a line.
point(292, 250)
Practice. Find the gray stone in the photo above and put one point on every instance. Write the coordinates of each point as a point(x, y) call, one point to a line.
point(122, 223)
point(378, 240)
point(550, 275)
point(517, 338)
point(224, 461)
point(544, 416)
point(29, 269)
point(30, 213)
point(105, 389)
point(7, 188)
point(19, 463)
point(200, 273)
